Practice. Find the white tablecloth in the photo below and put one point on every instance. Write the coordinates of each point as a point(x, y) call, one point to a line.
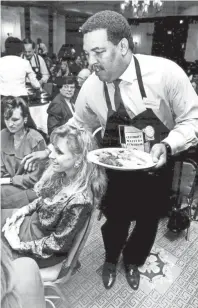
point(39, 115)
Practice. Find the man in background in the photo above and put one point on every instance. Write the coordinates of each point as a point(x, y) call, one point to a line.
point(37, 62)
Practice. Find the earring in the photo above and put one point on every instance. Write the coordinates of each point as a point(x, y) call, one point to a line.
point(25, 121)
point(76, 165)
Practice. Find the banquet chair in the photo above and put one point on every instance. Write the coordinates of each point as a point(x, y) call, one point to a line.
point(183, 185)
point(59, 274)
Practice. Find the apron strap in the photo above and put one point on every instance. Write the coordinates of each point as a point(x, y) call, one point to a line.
point(140, 83)
point(139, 77)
point(37, 61)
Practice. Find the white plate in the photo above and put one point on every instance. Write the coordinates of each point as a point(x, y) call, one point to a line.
point(136, 160)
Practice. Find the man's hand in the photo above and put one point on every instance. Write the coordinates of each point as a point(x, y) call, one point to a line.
point(159, 154)
point(30, 159)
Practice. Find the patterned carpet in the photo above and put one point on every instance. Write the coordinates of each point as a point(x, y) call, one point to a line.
point(169, 279)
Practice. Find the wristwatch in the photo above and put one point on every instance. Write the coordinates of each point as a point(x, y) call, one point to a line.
point(168, 150)
point(11, 180)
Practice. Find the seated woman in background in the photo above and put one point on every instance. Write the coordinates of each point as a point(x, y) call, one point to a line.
point(17, 140)
point(61, 109)
point(67, 193)
point(63, 70)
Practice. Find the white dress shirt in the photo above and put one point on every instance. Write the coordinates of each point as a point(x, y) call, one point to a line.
point(13, 73)
point(43, 68)
point(169, 94)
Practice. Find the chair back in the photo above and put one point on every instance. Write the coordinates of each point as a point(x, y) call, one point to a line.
point(184, 176)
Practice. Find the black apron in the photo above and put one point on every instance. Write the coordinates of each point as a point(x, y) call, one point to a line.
point(37, 68)
point(130, 190)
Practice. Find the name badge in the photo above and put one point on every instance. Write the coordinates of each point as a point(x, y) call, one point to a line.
point(131, 137)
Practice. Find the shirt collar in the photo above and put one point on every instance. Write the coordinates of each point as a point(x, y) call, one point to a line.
point(130, 73)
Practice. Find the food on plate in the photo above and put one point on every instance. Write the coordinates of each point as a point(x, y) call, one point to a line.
point(121, 158)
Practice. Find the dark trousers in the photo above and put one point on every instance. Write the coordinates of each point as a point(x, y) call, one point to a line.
point(139, 197)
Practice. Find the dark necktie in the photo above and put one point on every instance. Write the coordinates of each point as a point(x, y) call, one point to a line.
point(72, 105)
point(117, 94)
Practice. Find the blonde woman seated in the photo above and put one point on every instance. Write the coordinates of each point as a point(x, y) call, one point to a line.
point(18, 139)
point(67, 192)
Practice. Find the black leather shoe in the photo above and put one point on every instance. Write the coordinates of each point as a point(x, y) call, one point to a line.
point(132, 276)
point(108, 274)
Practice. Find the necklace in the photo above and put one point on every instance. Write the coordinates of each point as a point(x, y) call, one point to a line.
point(18, 142)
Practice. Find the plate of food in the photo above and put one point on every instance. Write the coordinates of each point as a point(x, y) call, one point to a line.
point(121, 159)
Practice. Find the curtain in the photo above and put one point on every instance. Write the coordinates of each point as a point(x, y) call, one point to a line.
point(39, 24)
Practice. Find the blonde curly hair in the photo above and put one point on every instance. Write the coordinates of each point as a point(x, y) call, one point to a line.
point(89, 177)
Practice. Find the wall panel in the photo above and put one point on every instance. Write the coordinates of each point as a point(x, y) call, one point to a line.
point(12, 23)
point(39, 24)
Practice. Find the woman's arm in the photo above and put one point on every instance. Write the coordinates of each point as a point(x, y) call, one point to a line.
point(29, 160)
point(61, 239)
point(22, 212)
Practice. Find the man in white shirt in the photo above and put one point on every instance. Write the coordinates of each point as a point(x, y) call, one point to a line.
point(152, 96)
point(37, 62)
point(14, 70)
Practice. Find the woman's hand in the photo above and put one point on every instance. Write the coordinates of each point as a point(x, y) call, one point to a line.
point(5, 181)
point(12, 238)
point(30, 159)
point(18, 215)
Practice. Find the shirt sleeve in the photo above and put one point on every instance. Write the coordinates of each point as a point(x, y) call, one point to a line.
point(44, 70)
point(61, 239)
point(32, 76)
point(84, 116)
point(183, 102)
point(29, 179)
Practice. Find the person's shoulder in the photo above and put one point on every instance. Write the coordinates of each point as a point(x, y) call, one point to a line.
point(160, 65)
point(41, 60)
point(4, 134)
point(5, 138)
point(57, 99)
point(56, 104)
point(92, 83)
point(34, 136)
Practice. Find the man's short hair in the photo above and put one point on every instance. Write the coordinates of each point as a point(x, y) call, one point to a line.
point(116, 25)
point(13, 46)
point(29, 41)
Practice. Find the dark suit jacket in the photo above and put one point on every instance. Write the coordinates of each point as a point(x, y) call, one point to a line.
point(58, 113)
